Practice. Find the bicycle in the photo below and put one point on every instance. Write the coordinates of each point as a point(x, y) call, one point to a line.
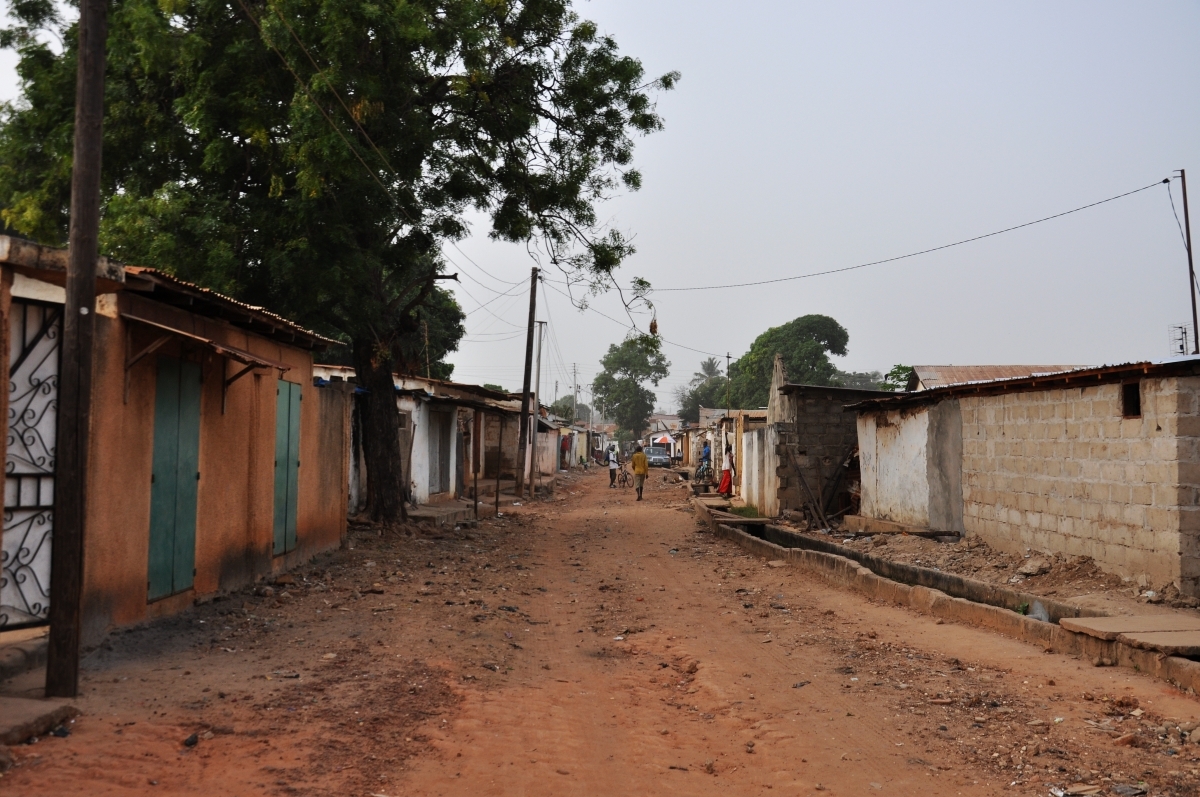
point(623, 477)
point(704, 473)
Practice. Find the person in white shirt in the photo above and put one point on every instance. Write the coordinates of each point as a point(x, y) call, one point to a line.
point(612, 467)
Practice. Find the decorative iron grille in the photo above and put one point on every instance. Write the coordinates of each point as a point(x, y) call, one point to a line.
point(35, 333)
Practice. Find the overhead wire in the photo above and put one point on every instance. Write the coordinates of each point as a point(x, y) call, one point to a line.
point(304, 87)
point(1182, 234)
point(482, 269)
point(913, 254)
point(634, 327)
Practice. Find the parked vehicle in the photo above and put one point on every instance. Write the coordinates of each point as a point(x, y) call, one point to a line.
point(658, 457)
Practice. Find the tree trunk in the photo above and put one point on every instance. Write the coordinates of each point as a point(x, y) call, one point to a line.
point(381, 434)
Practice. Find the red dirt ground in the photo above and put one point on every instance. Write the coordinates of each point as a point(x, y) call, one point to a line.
point(592, 645)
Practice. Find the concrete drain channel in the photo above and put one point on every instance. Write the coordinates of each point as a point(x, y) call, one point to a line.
point(1035, 606)
point(1021, 615)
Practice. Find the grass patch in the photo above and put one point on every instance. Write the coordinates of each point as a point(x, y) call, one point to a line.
point(749, 510)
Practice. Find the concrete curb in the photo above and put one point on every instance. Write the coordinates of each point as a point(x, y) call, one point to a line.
point(843, 572)
point(21, 657)
point(24, 718)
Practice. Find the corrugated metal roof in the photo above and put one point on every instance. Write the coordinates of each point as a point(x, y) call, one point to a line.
point(930, 376)
point(233, 307)
point(1068, 377)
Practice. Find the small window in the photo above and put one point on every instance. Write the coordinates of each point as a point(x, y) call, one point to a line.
point(404, 420)
point(1131, 399)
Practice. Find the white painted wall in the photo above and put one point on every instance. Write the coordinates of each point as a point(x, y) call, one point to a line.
point(893, 458)
point(756, 472)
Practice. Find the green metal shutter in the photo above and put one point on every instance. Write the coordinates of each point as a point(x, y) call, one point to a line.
point(163, 478)
point(287, 464)
point(282, 415)
point(293, 464)
point(174, 476)
point(188, 480)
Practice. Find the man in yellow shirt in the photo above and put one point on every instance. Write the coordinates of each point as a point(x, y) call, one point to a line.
point(640, 470)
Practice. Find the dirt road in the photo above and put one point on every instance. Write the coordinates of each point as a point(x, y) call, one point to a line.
point(593, 645)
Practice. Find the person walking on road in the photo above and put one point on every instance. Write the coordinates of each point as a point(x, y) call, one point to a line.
point(641, 468)
point(611, 458)
point(726, 486)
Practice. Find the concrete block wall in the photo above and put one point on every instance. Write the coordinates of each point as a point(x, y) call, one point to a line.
point(820, 437)
point(1061, 470)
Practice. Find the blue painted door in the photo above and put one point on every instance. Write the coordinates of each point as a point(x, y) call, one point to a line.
point(287, 464)
point(174, 478)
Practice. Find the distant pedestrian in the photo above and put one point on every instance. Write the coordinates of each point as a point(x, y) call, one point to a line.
point(641, 468)
point(726, 486)
point(611, 458)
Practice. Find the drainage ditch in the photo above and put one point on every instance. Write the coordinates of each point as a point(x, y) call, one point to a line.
point(1035, 606)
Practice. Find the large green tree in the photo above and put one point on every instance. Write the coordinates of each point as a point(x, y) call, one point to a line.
point(707, 388)
point(620, 389)
point(313, 155)
point(805, 343)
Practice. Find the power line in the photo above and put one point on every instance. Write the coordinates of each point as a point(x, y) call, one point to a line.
point(912, 254)
point(482, 269)
point(304, 87)
point(635, 327)
point(329, 83)
point(1182, 236)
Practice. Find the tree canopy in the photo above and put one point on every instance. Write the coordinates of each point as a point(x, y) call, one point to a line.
point(897, 378)
point(805, 343)
point(707, 388)
point(311, 156)
point(620, 388)
point(564, 405)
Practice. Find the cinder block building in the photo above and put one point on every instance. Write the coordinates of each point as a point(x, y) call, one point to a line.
point(1100, 461)
point(806, 446)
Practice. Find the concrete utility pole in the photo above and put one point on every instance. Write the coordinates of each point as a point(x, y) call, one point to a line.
point(574, 391)
point(1187, 226)
point(523, 432)
point(75, 371)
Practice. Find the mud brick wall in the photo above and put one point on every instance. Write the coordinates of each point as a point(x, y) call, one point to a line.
point(1063, 470)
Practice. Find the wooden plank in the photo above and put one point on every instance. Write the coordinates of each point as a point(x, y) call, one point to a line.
point(730, 518)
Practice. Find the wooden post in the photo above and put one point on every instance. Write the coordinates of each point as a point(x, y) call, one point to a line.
point(523, 433)
point(75, 371)
point(499, 461)
point(476, 454)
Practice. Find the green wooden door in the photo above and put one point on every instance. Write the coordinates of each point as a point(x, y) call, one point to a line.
point(287, 464)
point(174, 477)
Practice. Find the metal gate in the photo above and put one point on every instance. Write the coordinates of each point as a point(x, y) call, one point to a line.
point(34, 336)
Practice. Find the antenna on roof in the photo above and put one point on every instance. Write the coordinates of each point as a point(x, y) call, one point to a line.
point(1181, 339)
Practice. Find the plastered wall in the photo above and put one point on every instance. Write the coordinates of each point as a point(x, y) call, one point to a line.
point(235, 512)
point(893, 458)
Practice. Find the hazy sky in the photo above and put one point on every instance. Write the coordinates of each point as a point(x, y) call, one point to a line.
point(811, 136)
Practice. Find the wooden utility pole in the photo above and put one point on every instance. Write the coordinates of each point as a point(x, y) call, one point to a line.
point(523, 433)
point(75, 370)
point(535, 469)
point(1187, 227)
point(476, 455)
